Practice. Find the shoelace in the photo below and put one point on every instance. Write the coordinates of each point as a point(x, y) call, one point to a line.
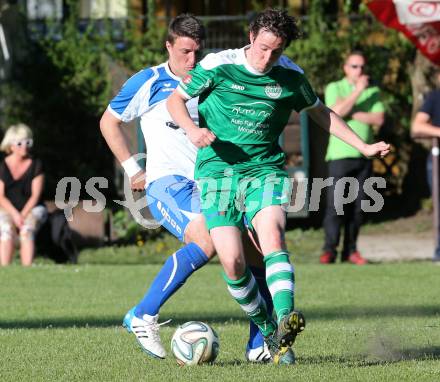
point(153, 329)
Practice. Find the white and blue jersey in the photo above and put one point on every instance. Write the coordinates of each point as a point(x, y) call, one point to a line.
point(169, 151)
point(171, 193)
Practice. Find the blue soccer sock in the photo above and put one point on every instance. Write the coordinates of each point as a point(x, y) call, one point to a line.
point(255, 337)
point(177, 268)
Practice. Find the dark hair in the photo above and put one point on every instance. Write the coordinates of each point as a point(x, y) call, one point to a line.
point(355, 52)
point(186, 25)
point(278, 22)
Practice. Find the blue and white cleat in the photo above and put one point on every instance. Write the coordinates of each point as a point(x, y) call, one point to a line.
point(146, 331)
point(126, 322)
point(260, 354)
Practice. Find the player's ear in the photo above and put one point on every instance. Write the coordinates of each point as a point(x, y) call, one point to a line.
point(168, 45)
point(251, 37)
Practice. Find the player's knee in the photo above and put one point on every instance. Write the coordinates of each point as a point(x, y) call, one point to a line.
point(209, 249)
point(234, 267)
point(273, 238)
point(199, 235)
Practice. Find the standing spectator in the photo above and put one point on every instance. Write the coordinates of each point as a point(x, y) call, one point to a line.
point(21, 186)
point(427, 124)
point(358, 103)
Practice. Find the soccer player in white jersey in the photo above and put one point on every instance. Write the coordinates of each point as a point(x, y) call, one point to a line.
point(171, 193)
point(245, 98)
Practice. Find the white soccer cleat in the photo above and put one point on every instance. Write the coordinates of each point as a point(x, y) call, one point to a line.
point(260, 354)
point(146, 331)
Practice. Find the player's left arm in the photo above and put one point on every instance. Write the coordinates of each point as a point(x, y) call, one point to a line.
point(335, 125)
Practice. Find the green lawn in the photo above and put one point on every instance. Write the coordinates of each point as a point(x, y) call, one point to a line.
point(372, 323)
point(305, 246)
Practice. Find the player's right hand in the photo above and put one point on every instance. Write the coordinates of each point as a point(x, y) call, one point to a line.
point(137, 181)
point(201, 137)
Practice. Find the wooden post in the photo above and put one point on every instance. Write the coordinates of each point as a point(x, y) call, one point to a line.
point(435, 188)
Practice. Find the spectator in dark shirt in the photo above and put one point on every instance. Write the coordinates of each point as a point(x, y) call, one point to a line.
point(21, 184)
point(426, 124)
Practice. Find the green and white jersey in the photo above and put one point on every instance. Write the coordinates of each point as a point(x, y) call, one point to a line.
point(245, 109)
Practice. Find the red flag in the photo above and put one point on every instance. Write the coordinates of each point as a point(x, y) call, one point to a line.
point(416, 19)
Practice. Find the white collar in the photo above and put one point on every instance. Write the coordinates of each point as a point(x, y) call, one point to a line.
point(169, 72)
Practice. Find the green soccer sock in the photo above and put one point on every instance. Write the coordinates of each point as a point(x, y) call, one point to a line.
point(245, 292)
point(280, 279)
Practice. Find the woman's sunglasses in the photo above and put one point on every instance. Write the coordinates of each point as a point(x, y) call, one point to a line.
point(356, 66)
point(24, 142)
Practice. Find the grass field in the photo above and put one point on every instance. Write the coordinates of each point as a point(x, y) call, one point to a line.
point(372, 323)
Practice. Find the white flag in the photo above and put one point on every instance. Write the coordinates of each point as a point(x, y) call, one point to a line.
point(417, 12)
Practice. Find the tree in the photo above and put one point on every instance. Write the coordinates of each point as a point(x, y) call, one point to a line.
point(321, 52)
point(63, 84)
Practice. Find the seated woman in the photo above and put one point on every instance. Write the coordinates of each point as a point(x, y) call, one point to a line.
point(21, 206)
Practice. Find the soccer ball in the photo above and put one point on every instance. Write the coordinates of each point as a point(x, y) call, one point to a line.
point(194, 342)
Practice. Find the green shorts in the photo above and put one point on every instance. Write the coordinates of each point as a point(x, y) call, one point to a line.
point(235, 200)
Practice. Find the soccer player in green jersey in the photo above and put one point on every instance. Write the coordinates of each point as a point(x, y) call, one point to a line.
point(245, 99)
